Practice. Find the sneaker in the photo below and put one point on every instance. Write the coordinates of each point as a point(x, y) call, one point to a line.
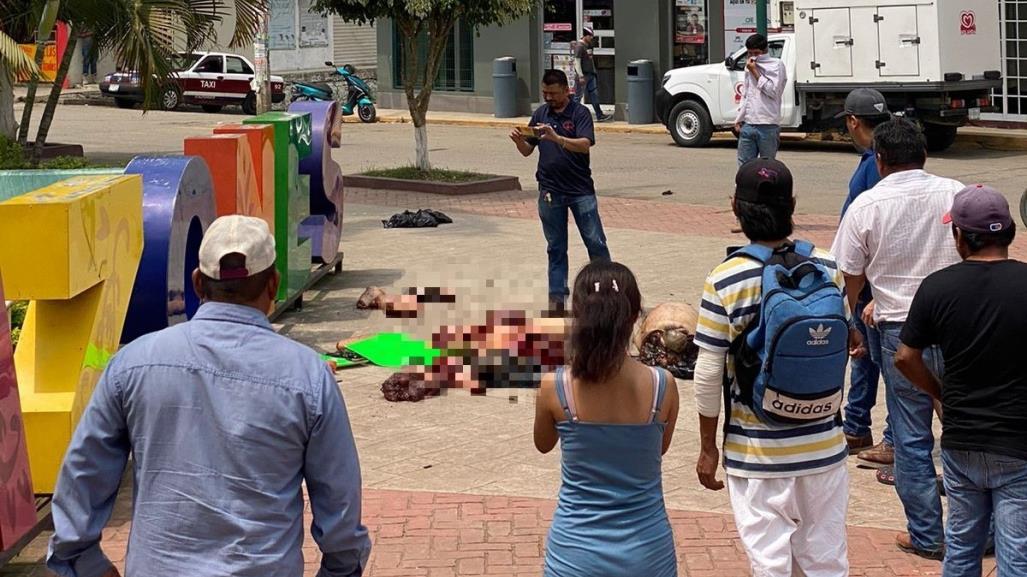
point(607, 118)
point(905, 543)
point(857, 444)
point(880, 455)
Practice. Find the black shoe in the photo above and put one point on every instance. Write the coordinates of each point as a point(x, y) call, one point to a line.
point(607, 118)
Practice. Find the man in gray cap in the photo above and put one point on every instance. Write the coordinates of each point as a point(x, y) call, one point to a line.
point(975, 311)
point(865, 109)
point(225, 420)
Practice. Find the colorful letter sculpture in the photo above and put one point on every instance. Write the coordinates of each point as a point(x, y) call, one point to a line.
point(261, 141)
point(179, 206)
point(86, 239)
point(231, 167)
point(292, 205)
point(17, 503)
point(324, 225)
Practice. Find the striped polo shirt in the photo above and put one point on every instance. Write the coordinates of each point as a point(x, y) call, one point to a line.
point(753, 449)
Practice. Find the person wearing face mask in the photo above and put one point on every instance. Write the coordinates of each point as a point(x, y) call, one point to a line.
point(865, 109)
point(759, 113)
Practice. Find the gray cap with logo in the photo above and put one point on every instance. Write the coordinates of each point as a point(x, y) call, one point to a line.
point(864, 102)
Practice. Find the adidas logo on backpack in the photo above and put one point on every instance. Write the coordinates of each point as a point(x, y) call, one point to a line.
point(790, 361)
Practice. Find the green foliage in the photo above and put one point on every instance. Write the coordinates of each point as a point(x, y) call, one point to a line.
point(473, 12)
point(18, 309)
point(13, 158)
point(11, 155)
point(433, 175)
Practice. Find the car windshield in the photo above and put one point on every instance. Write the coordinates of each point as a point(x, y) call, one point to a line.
point(180, 62)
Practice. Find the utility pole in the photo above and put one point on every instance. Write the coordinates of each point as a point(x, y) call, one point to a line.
point(262, 63)
point(761, 16)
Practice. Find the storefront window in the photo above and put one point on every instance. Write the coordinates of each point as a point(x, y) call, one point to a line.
point(559, 28)
point(691, 41)
point(456, 72)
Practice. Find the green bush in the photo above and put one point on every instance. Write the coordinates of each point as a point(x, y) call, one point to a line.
point(11, 155)
point(18, 309)
point(67, 163)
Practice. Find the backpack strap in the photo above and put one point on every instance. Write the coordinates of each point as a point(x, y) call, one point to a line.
point(757, 252)
point(804, 248)
point(659, 391)
point(566, 395)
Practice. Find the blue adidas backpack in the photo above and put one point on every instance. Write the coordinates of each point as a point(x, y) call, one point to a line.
point(790, 361)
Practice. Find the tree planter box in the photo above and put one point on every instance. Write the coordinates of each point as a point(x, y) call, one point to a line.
point(494, 184)
point(55, 149)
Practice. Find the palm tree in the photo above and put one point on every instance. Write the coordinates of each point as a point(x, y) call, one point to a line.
point(143, 35)
point(12, 61)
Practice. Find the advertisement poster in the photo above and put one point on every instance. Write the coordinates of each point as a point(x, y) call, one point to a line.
point(313, 26)
point(690, 22)
point(739, 23)
point(281, 26)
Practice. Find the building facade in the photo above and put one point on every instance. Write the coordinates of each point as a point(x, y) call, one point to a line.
point(669, 33)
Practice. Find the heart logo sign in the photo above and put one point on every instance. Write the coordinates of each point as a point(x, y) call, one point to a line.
point(967, 22)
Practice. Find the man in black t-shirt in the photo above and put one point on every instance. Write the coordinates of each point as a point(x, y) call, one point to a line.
point(585, 67)
point(976, 312)
point(566, 135)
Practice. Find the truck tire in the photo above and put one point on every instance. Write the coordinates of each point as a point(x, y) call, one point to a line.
point(690, 124)
point(939, 136)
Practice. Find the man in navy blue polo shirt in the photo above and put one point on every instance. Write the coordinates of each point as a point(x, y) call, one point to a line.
point(565, 138)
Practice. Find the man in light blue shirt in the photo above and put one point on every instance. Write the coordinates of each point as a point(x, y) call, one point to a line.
point(225, 421)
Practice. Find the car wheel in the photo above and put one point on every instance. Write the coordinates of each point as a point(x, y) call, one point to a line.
point(212, 108)
point(249, 104)
point(367, 113)
point(690, 124)
point(939, 136)
point(170, 98)
point(124, 103)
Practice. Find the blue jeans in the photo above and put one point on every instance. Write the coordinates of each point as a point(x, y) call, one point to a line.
point(553, 213)
point(88, 63)
point(910, 415)
point(591, 86)
point(864, 376)
point(758, 141)
point(979, 485)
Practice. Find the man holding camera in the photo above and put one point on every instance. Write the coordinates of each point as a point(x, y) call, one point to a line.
point(759, 114)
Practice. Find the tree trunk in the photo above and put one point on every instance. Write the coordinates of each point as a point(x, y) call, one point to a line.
point(421, 138)
point(55, 96)
point(30, 98)
point(262, 64)
point(8, 126)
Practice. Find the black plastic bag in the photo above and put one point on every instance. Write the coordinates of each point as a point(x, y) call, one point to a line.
point(424, 218)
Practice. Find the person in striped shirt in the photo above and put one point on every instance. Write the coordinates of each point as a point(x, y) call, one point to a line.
point(788, 484)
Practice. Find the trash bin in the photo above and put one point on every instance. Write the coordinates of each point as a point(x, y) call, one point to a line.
point(641, 92)
point(504, 87)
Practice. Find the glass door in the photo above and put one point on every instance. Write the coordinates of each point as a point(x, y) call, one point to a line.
point(563, 22)
point(691, 42)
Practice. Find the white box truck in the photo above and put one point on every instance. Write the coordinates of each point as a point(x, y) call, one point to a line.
point(936, 61)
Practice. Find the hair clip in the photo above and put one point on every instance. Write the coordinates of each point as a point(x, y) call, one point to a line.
point(597, 287)
point(615, 287)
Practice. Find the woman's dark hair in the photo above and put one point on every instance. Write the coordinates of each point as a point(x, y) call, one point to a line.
point(765, 222)
point(604, 319)
point(555, 77)
point(978, 241)
point(756, 42)
point(899, 142)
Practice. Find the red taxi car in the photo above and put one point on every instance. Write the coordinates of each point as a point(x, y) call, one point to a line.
point(209, 79)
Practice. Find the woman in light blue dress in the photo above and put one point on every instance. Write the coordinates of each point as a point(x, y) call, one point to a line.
point(614, 418)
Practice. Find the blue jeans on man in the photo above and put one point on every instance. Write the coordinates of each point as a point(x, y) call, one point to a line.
point(910, 416)
point(88, 62)
point(552, 210)
point(758, 141)
point(591, 86)
point(863, 380)
point(981, 486)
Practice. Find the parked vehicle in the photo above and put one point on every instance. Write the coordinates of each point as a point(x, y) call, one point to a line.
point(935, 61)
point(358, 95)
point(210, 79)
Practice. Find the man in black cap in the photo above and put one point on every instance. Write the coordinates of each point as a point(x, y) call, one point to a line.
point(788, 482)
point(585, 68)
point(976, 312)
point(865, 109)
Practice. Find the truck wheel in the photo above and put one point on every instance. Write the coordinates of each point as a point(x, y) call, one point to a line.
point(690, 124)
point(939, 136)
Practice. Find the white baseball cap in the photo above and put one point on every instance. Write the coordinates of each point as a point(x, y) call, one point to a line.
point(245, 235)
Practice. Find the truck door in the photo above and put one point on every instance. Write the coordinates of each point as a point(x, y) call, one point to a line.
point(898, 41)
point(832, 42)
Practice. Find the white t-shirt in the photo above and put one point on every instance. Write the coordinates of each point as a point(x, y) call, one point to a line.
point(894, 234)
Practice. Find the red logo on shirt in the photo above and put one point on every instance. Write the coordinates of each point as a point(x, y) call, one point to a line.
point(568, 126)
point(967, 22)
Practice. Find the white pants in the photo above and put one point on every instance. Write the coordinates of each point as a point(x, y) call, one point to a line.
point(795, 525)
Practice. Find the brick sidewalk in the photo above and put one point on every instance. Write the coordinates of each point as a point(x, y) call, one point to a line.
point(625, 213)
point(421, 534)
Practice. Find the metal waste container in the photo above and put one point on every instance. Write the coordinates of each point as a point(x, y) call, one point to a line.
point(504, 87)
point(641, 92)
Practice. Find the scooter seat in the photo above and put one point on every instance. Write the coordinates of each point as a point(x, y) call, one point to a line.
point(320, 86)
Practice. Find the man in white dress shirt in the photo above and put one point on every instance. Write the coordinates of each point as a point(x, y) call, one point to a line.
point(759, 113)
point(892, 236)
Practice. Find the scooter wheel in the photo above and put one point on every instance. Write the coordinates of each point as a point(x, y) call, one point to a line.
point(367, 113)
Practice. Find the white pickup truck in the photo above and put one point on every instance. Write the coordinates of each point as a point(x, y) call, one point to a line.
point(934, 60)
